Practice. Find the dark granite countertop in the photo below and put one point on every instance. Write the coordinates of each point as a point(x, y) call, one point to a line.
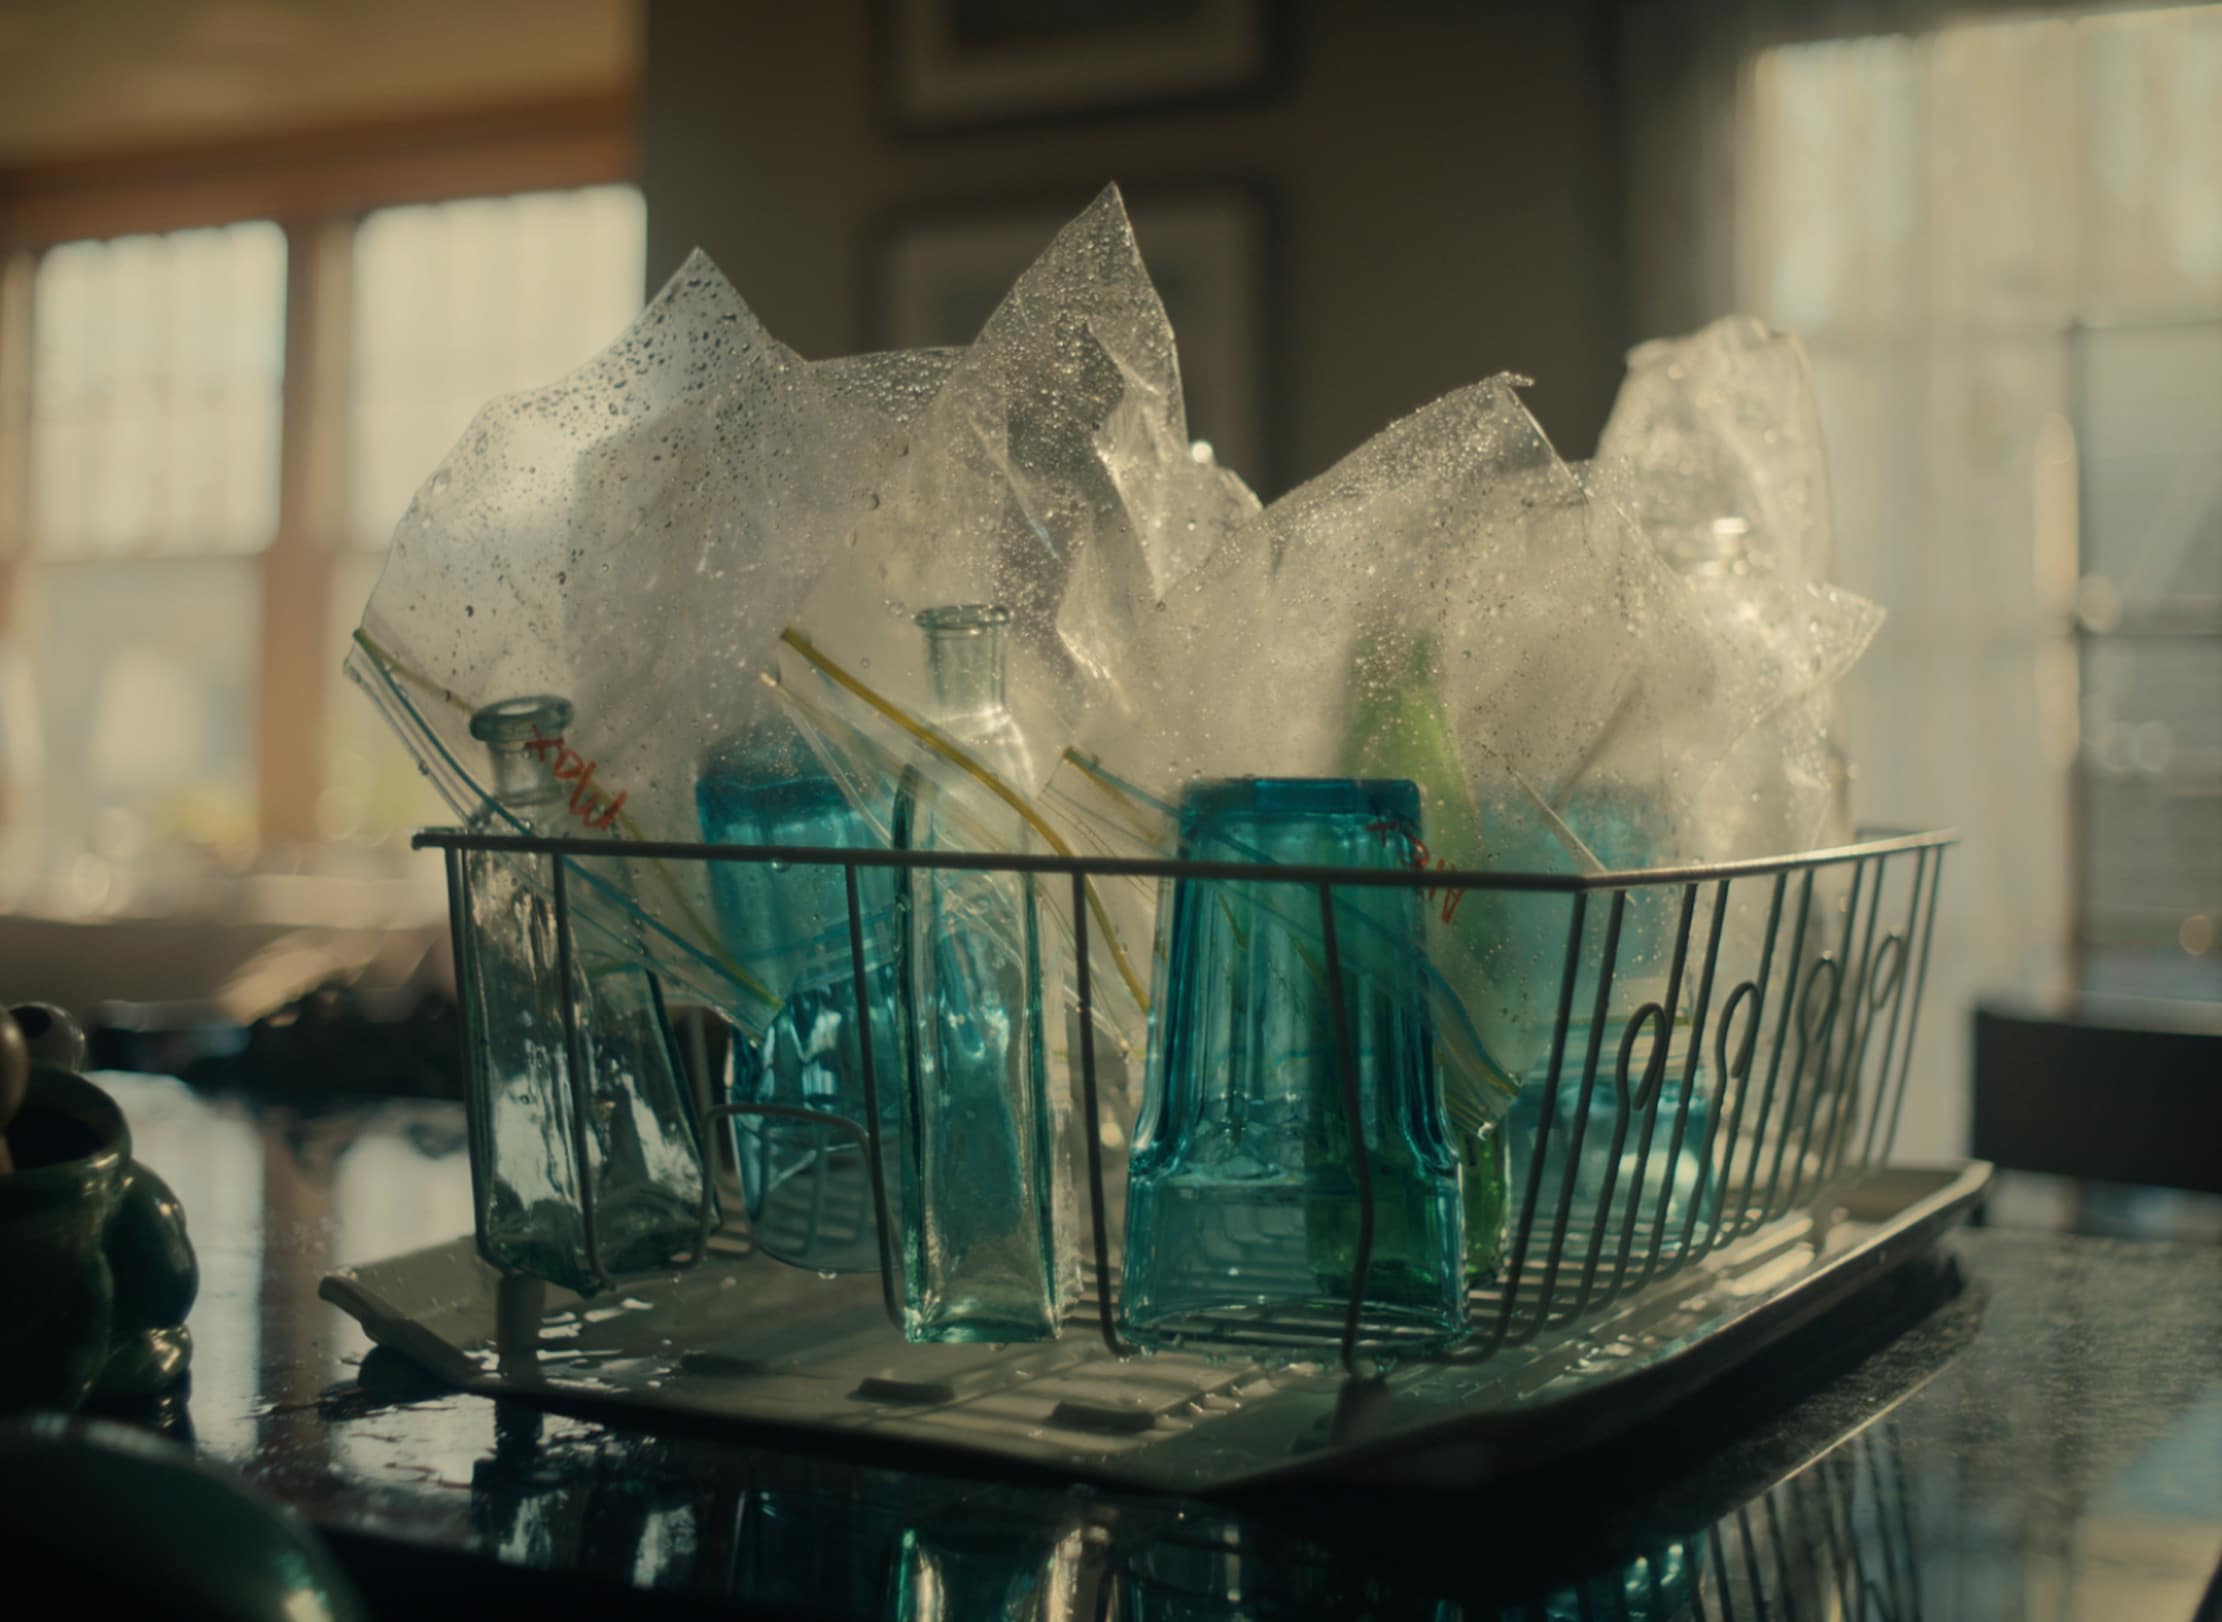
point(2026, 1426)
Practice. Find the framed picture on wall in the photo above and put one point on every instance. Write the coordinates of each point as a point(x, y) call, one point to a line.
point(954, 62)
point(941, 275)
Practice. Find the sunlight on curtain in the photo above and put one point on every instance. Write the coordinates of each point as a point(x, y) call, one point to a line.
point(155, 371)
point(2002, 242)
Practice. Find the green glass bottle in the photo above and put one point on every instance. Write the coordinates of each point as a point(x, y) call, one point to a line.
point(1400, 729)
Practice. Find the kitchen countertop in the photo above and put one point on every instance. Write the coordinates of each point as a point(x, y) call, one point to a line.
point(2029, 1425)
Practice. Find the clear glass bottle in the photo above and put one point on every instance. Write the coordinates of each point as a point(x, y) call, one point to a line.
point(1243, 1205)
point(644, 1171)
point(808, 1188)
point(986, 1184)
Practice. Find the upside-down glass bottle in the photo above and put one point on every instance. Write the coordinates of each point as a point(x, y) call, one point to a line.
point(1244, 1201)
point(536, 1078)
point(986, 1158)
point(807, 1185)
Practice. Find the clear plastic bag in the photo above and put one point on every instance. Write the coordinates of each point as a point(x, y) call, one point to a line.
point(1714, 451)
point(1448, 605)
point(633, 538)
point(661, 537)
point(1050, 476)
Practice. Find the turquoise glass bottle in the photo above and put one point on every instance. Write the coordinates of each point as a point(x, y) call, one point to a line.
point(1243, 1204)
point(986, 1181)
point(807, 1186)
point(1654, 1185)
point(530, 1078)
point(1657, 1178)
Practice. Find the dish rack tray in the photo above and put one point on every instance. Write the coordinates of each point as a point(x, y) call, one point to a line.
point(1594, 1321)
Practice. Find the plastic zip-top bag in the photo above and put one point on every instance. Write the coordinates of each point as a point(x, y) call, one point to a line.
point(761, 591)
point(632, 539)
point(1455, 606)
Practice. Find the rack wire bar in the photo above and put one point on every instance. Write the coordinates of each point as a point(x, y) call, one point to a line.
point(1098, 1219)
point(1155, 867)
point(1354, 1114)
point(1581, 1237)
point(576, 1067)
point(876, 1164)
point(460, 936)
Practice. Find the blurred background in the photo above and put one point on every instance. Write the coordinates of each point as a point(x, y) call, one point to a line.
point(260, 260)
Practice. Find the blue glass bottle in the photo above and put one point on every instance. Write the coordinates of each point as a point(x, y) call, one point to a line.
point(644, 1171)
point(1621, 831)
point(986, 1189)
point(807, 1186)
point(1657, 1187)
point(1243, 1203)
point(1654, 1180)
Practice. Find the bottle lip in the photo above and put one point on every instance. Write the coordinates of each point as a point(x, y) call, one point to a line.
point(963, 619)
point(1220, 812)
point(1208, 802)
point(517, 720)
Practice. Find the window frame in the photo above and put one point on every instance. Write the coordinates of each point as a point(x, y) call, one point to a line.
point(316, 186)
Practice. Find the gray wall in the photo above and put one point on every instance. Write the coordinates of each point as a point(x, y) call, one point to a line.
point(1444, 179)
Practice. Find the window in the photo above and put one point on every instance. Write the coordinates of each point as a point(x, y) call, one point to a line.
point(202, 509)
point(2002, 241)
point(453, 304)
point(156, 368)
point(156, 365)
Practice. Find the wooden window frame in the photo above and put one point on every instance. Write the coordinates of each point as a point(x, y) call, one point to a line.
point(315, 185)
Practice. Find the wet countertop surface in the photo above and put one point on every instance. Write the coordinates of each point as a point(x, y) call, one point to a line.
point(2028, 1426)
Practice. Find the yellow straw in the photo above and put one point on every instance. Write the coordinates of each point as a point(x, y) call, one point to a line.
point(705, 939)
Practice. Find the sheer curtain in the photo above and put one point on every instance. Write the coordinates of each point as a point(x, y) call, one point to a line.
point(2000, 234)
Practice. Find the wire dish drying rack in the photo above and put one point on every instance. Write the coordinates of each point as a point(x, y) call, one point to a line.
point(1594, 1320)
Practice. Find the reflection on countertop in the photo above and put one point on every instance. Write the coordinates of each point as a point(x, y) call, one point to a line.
point(2046, 1440)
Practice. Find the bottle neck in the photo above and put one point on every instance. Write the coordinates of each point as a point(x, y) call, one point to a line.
point(965, 669)
point(965, 648)
point(521, 779)
point(517, 733)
